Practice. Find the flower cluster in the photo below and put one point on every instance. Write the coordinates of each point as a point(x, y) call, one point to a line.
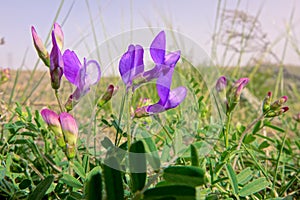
point(231, 97)
point(276, 108)
point(83, 76)
point(131, 67)
point(64, 128)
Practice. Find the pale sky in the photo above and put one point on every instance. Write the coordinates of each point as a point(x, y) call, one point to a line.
point(193, 18)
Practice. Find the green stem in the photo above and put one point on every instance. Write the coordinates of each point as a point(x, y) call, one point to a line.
point(226, 131)
point(120, 119)
point(129, 100)
point(58, 100)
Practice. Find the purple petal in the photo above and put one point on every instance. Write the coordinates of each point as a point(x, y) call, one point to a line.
point(155, 108)
point(157, 48)
point(126, 64)
point(72, 66)
point(221, 83)
point(59, 35)
point(131, 63)
point(50, 117)
point(56, 64)
point(176, 96)
point(163, 83)
point(93, 72)
point(172, 58)
point(138, 66)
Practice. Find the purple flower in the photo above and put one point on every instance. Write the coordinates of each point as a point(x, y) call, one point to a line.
point(159, 56)
point(131, 65)
point(221, 84)
point(82, 76)
point(168, 98)
point(56, 64)
point(59, 35)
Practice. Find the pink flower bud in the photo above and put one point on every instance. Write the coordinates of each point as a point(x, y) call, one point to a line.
point(56, 64)
point(52, 120)
point(267, 102)
point(40, 47)
point(59, 35)
point(110, 91)
point(70, 132)
point(241, 83)
point(278, 103)
point(221, 84)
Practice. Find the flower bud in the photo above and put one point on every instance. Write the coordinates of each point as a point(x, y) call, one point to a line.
point(141, 112)
point(56, 64)
point(59, 35)
point(267, 102)
point(275, 113)
point(52, 120)
point(40, 47)
point(110, 91)
point(221, 84)
point(278, 103)
point(242, 82)
point(70, 132)
point(5, 75)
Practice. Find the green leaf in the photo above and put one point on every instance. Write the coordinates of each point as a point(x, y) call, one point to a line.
point(93, 187)
point(194, 156)
point(113, 179)
point(264, 145)
point(184, 175)
point(254, 186)
point(152, 153)
point(248, 139)
point(137, 163)
point(244, 176)
point(256, 128)
point(71, 181)
point(41, 188)
point(232, 178)
point(78, 168)
point(174, 192)
point(24, 184)
point(268, 124)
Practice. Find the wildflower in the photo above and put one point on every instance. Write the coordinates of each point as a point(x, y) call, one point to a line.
point(82, 76)
point(52, 120)
point(236, 92)
point(110, 91)
point(56, 64)
point(40, 47)
point(4, 75)
point(70, 131)
point(131, 64)
point(168, 98)
point(267, 102)
point(221, 89)
point(276, 108)
point(275, 113)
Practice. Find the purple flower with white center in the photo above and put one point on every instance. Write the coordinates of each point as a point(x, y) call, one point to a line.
point(131, 64)
point(168, 98)
point(82, 76)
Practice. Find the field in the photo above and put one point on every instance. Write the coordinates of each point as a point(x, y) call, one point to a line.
point(177, 131)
